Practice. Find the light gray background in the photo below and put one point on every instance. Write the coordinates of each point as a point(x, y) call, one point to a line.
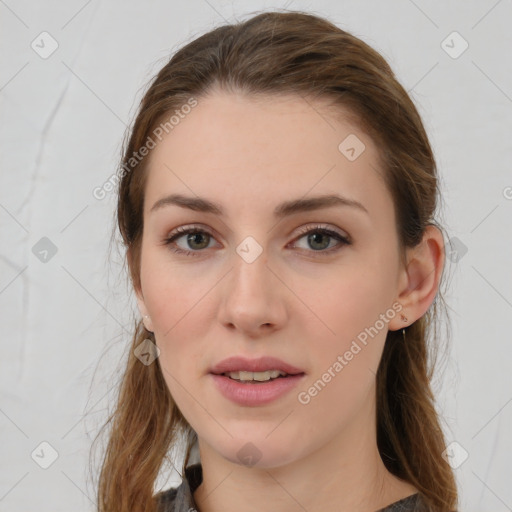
point(66, 321)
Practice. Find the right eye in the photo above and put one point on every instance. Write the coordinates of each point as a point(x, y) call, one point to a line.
point(191, 238)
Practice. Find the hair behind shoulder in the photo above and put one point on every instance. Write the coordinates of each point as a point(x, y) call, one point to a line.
point(300, 53)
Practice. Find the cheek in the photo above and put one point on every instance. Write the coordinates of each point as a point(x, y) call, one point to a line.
point(170, 291)
point(348, 302)
point(348, 322)
point(178, 302)
point(345, 360)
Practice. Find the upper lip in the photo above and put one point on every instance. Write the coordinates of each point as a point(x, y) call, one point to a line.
point(238, 363)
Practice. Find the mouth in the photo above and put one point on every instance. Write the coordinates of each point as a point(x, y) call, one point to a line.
point(246, 377)
point(251, 389)
point(255, 382)
point(261, 369)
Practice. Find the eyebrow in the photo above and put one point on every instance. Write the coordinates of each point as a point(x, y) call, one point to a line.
point(284, 209)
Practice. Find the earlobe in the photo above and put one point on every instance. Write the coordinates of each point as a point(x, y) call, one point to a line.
point(420, 280)
point(146, 319)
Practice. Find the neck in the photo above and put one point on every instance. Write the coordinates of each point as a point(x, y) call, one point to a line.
point(346, 474)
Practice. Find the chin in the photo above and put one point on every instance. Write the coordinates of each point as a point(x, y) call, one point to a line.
point(258, 452)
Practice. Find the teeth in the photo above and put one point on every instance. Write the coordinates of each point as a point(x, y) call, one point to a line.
point(259, 376)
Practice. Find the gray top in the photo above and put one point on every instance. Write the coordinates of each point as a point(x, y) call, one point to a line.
point(181, 499)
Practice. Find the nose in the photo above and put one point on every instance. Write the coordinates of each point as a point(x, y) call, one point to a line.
point(253, 298)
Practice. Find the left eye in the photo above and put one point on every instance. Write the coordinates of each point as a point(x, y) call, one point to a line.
point(316, 237)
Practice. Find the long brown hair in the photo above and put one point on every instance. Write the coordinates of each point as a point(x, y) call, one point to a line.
point(273, 53)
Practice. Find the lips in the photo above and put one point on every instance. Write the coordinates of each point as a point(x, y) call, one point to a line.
point(262, 364)
point(250, 394)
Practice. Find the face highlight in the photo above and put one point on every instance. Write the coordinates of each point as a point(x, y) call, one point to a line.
point(261, 238)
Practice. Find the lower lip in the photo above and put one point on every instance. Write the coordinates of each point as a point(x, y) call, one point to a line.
point(251, 394)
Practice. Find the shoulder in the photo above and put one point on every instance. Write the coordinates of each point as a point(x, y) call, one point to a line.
point(181, 499)
point(413, 503)
point(165, 500)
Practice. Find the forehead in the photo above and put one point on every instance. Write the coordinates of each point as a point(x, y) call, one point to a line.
point(251, 152)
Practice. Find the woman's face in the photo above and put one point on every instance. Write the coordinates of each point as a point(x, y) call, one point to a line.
point(256, 284)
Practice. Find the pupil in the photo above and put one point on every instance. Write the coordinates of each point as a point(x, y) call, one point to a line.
point(321, 235)
point(192, 238)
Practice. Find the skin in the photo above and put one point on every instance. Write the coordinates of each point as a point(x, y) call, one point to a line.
point(302, 305)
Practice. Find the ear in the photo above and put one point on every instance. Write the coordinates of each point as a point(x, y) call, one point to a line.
point(419, 281)
point(148, 324)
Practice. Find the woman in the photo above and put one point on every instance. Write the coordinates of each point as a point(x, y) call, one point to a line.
point(277, 197)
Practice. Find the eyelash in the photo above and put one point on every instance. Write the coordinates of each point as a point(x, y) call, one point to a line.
point(184, 230)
